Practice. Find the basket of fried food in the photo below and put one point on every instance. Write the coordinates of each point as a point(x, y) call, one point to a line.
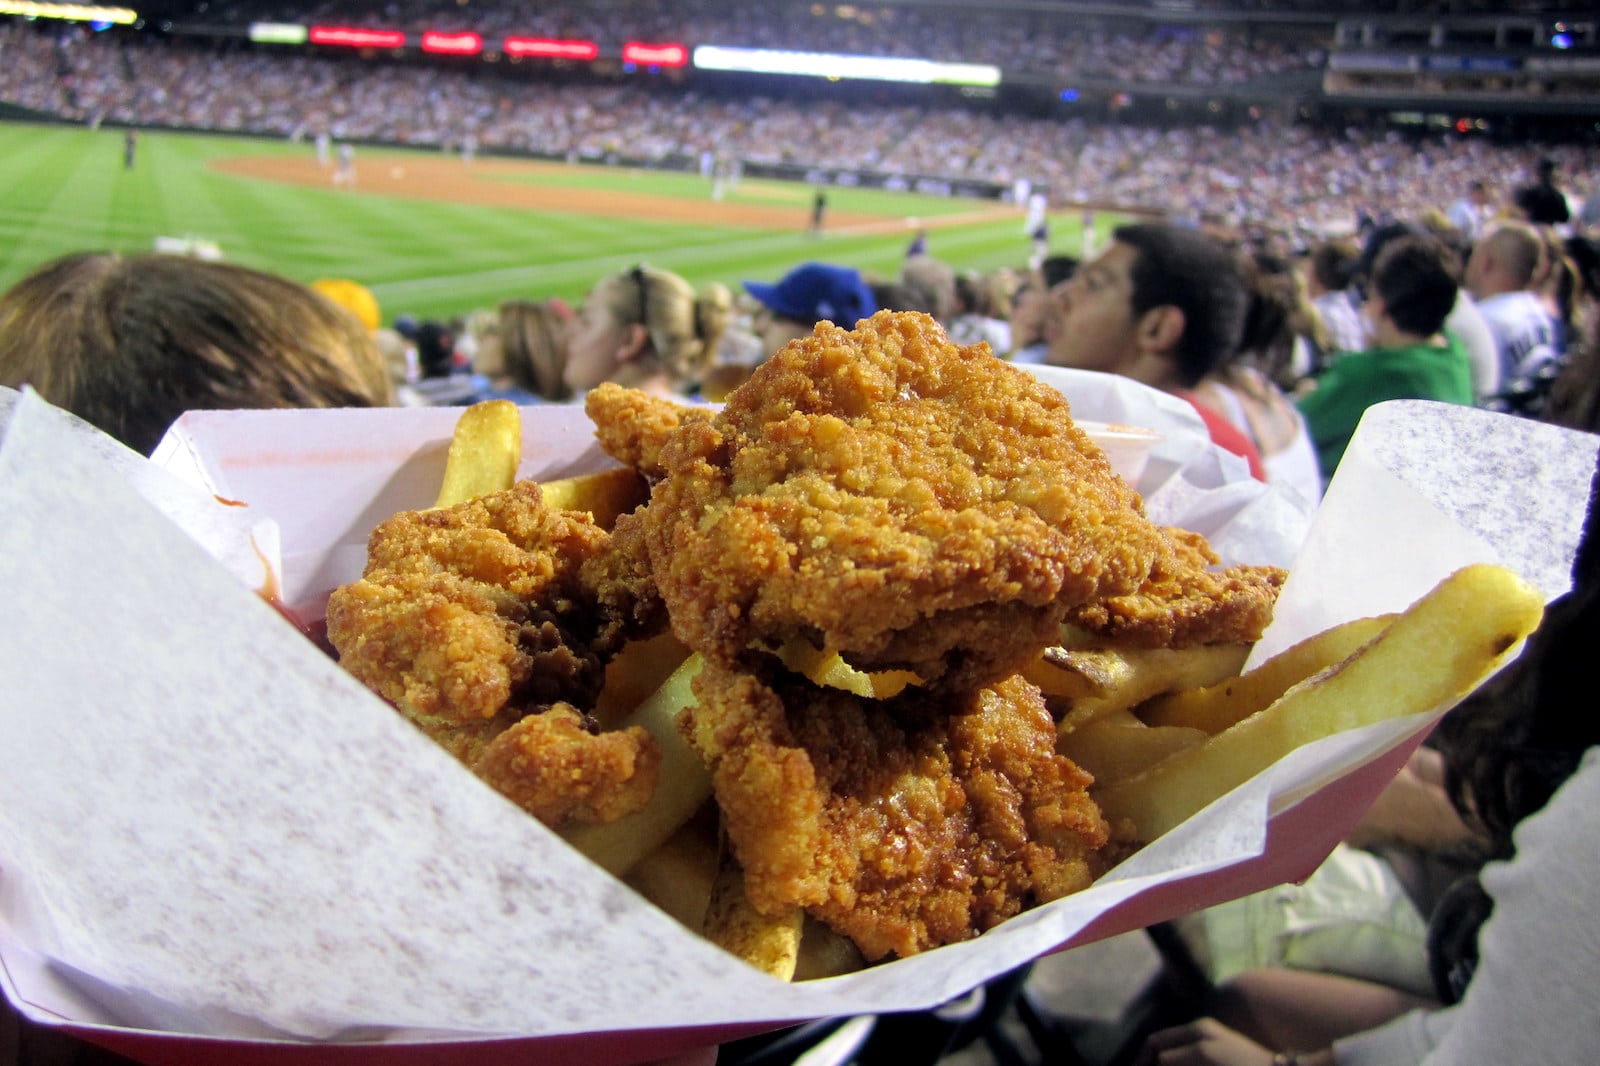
point(873, 658)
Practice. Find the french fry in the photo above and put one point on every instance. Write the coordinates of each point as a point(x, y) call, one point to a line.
point(828, 668)
point(1120, 745)
point(1431, 656)
point(1146, 672)
point(825, 953)
point(677, 876)
point(484, 452)
point(637, 670)
point(684, 782)
point(1214, 708)
point(1077, 674)
point(770, 943)
point(607, 495)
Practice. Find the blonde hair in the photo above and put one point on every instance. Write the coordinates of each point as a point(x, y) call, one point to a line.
point(685, 328)
point(1520, 251)
point(129, 343)
point(532, 347)
point(930, 286)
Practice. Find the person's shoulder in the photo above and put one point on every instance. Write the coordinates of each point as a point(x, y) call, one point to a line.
point(1497, 306)
point(1514, 307)
point(1348, 362)
point(1225, 435)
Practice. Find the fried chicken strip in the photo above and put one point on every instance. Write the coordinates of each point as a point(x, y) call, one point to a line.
point(903, 824)
point(632, 425)
point(1185, 601)
point(894, 497)
point(474, 620)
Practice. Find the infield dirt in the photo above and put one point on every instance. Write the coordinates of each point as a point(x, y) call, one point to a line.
point(503, 183)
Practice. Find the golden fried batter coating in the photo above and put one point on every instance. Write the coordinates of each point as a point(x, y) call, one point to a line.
point(470, 617)
point(557, 768)
point(903, 824)
point(894, 497)
point(1183, 602)
point(632, 425)
point(880, 493)
point(463, 611)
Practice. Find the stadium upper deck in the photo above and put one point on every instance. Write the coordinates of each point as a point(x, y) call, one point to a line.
point(1533, 57)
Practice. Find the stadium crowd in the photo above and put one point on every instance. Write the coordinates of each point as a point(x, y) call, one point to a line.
point(1303, 180)
point(1037, 41)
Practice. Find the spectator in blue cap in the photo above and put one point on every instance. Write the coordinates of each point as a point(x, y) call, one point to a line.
point(808, 294)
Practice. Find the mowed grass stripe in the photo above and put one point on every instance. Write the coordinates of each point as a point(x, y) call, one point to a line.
point(729, 260)
point(64, 189)
point(73, 196)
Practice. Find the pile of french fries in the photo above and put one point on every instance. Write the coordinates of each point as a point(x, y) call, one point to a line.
point(1164, 732)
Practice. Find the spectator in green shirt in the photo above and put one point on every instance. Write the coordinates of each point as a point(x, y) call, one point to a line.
point(1411, 290)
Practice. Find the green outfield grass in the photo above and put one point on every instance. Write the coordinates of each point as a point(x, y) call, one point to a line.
point(64, 189)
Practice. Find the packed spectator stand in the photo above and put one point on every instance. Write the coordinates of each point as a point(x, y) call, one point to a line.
point(1256, 163)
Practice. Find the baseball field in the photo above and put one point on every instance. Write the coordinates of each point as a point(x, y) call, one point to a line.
point(435, 235)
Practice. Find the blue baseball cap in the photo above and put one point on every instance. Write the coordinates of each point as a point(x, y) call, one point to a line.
point(812, 292)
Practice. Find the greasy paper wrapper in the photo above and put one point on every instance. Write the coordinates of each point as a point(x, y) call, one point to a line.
point(216, 846)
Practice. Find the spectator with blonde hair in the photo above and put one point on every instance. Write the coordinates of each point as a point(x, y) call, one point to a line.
point(129, 343)
point(646, 328)
point(523, 352)
point(930, 286)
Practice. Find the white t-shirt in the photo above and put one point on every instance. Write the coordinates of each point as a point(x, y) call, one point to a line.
point(1524, 331)
point(1467, 324)
point(1343, 321)
point(973, 328)
point(1532, 998)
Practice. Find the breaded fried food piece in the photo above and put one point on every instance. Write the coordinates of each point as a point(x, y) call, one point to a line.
point(892, 496)
point(902, 824)
point(464, 611)
point(631, 425)
point(472, 619)
point(1184, 602)
point(557, 768)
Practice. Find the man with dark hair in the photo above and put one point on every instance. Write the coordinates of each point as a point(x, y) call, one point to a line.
point(1163, 305)
point(1057, 268)
point(1409, 295)
point(1467, 322)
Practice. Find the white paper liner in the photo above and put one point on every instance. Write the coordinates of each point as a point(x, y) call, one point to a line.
point(209, 828)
